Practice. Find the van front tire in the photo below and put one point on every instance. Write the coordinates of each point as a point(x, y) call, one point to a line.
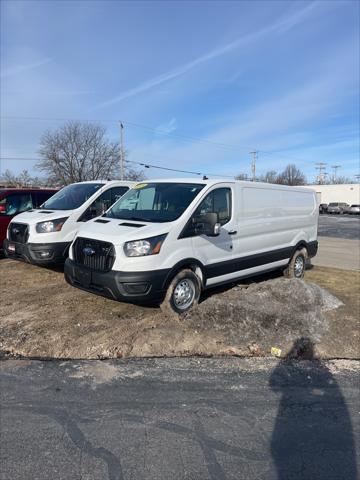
point(297, 265)
point(183, 293)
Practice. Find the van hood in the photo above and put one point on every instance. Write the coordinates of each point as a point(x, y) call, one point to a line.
point(118, 231)
point(32, 217)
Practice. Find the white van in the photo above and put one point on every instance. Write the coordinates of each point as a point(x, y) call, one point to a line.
point(168, 240)
point(43, 235)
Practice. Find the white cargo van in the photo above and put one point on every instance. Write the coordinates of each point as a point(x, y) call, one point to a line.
point(43, 235)
point(167, 240)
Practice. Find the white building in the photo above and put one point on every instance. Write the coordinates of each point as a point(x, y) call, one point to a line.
point(348, 193)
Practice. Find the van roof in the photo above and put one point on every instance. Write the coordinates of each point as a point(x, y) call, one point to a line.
point(216, 181)
point(108, 182)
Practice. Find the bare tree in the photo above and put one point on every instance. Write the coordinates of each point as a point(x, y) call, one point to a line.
point(134, 175)
point(241, 176)
point(8, 179)
point(291, 176)
point(341, 179)
point(269, 177)
point(24, 179)
point(78, 151)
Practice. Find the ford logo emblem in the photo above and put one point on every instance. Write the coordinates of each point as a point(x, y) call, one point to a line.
point(88, 251)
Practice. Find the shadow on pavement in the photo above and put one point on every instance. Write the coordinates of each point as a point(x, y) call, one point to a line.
point(313, 435)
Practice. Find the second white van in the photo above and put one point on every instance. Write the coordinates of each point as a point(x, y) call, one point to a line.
point(165, 241)
point(43, 235)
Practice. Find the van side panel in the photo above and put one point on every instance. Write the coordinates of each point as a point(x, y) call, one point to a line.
point(271, 218)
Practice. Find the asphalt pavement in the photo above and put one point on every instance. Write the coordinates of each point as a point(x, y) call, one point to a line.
point(339, 242)
point(170, 419)
point(339, 226)
point(338, 253)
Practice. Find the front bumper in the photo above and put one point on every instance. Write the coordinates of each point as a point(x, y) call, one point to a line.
point(38, 253)
point(133, 287)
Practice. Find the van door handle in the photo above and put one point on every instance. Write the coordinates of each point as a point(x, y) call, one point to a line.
point(232, 232)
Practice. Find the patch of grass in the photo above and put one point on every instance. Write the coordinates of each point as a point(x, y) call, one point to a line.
point(344, 284)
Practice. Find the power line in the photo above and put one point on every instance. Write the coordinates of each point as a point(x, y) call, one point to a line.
point(131, 124)
point(142, 164)
point(162, 132)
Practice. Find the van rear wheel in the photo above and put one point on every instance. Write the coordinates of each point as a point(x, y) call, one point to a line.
point(296, 267)
point(183, 292)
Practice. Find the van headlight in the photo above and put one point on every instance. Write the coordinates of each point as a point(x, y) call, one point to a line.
point(51, 225)
point(147, 246)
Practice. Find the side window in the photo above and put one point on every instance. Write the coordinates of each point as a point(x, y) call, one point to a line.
point(102, 203)
point(116, 193)
point(97, 208)
point(15, 203)
point(218, 201)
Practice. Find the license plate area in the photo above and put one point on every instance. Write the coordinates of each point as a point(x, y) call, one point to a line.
point(83, 277)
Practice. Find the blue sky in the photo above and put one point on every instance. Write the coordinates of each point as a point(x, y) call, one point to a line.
point(198, 85)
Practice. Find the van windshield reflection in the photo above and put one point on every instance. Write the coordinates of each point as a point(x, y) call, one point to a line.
point(72, 196)
point(155, 202)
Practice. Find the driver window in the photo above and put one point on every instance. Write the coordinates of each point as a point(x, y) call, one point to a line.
point(218, 201)
point(102, 203)
point(98, 207)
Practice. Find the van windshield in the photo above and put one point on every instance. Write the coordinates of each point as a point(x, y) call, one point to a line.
point(155, 202)
point(72, 196)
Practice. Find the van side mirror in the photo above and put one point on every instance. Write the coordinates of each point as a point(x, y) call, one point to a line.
point(207, 224)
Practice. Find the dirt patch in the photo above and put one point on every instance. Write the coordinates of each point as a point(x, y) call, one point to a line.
point(42, 316)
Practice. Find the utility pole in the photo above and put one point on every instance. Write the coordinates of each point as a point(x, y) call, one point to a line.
point(335, 167)
point(321, 167)
point(121, 151)
point(253, 164)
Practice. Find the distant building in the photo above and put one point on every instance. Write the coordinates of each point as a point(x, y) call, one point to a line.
point(349, 193)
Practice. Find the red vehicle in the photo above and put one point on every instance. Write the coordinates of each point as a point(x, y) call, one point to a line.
point(17, 200)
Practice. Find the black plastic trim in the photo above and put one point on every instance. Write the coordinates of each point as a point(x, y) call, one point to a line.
point(27, 252)
point(243, 263)
point(112, 284)
point(135, 225)
point(312, 248)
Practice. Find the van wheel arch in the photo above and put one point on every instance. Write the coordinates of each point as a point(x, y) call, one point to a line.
point(190, 264)
point(300, 246)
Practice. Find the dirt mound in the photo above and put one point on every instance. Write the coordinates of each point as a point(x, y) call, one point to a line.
point(247, 320)
point(42, 316)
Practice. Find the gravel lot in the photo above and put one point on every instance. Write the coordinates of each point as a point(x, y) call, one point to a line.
point(339, 226)
point(42, 316)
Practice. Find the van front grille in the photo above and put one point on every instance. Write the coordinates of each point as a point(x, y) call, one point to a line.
point(94, 254)
point(18, 232)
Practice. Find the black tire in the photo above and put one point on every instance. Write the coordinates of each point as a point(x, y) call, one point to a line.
point(297, 265)
point(183, 293)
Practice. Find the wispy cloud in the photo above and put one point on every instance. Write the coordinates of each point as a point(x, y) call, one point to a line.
point(20, 68)
point(280, 26)
point(168, 127)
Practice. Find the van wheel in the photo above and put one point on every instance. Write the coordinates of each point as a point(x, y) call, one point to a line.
point(182, 293)
point(296, 267)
